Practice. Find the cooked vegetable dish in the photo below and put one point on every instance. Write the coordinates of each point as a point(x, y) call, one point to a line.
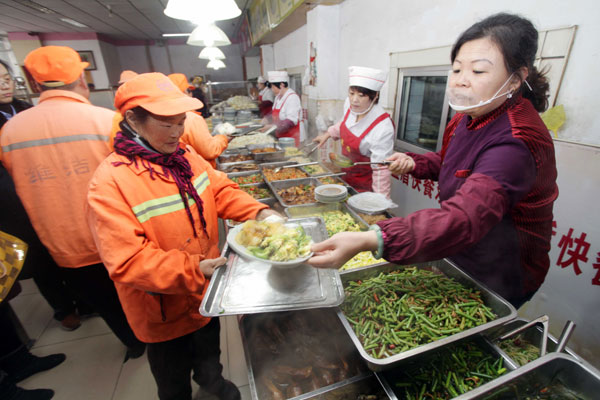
point(257, 192)
point(283, 174)
point(362, 259)
point(235, 158)
point(520, 349)
point(264, 150)
point(274, 241)
point(373, 218)
point(314, 169)
point(244, 180)
point(301, 194)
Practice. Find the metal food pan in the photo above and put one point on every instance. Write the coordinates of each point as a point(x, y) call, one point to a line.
point(228, 167)
point(270, 156)
point(390, 376)
point(276, 164)
point(503, 309)
point(268, 200)
point(248, 173)
point(336, 179)
point(325, 169)
point(306, 210)
point(580, 380)
point(274, 339)
point(386, 213)
point(533, 335)
point(227, 158)
point(249, 287)
point(278, 185)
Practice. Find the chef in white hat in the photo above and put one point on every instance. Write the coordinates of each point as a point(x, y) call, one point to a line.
point(265, 96)
point(366, 132)
point(287, 107)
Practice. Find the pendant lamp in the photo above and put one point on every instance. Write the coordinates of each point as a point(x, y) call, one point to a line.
point(208, 35)
point(216, 64)
point(202, 10)
point(211, 53)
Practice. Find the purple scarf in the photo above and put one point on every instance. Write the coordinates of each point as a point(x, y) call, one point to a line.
point(174, 164)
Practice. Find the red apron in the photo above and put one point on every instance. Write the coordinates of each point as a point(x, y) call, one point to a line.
point(360, 177)
point(295, 131)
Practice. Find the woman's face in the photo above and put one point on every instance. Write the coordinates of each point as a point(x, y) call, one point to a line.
point(359, 102)
point(260, 86)
point(478, 72)
point(7, 86)
point(161, 132)
point(275, 90)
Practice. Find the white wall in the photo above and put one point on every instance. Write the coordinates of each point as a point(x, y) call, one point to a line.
point(100, 75)
point(184, 59)
point(252, 67)
point(111, 62)
point(292, 50)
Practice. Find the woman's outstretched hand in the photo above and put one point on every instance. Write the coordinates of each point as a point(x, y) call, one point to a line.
point(401, 163)
point(341, 247)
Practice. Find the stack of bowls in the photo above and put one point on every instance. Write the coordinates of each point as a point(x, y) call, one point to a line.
point(244, 116)
point(331, 193)
point(229, 115)
point(286, 142)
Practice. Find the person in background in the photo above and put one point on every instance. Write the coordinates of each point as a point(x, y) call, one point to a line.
point(153, 209)
point(496, 171)
point(51, 152)
point(39, 264)
point(366, 132)
point(199, 92)
point(265, 97)
point(287, 107)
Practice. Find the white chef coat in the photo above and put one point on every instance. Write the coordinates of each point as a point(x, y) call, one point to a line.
point(267, 94)
point(291, 109)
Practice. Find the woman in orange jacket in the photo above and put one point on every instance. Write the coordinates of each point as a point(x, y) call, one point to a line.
point(153, 209)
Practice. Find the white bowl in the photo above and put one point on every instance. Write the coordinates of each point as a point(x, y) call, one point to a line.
point(243, 252)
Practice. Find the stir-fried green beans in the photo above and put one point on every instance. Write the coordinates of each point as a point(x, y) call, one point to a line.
point(448, 373)
point(520, 350)
point(395, 312)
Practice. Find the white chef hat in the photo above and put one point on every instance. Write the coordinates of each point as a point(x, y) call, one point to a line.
point(369, 78)
point(261, 79)
point(278, 76)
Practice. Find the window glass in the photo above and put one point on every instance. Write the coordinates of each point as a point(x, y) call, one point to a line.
point(421, 110)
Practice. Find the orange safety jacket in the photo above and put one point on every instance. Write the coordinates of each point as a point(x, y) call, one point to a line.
point(51, 151)
point(195, 133)
point(146, 241)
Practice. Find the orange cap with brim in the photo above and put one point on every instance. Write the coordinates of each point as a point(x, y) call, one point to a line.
point(55, 66)
point(127, 75)
point(155, 93)
point(180, 80)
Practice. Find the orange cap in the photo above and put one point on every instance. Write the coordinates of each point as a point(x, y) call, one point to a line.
point(55, 66)
point(180, 80)
point(155, 93)
point(127, 75)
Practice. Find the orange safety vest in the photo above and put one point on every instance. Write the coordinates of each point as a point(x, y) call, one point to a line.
point(51, 152)
point(147, 243)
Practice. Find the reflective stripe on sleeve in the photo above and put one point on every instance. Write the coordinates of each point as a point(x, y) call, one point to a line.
point(168, 204)
point(55, 140)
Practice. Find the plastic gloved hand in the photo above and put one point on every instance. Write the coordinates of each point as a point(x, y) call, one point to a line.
point(208, 266)
point(401, 163)
point(268, 213)
point(341, 247)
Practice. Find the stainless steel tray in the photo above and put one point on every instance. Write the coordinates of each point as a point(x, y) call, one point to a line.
point(388, 377)
point(247, 287)
point(276, 155)
point(309, 210)
point(268, 200)
point(279, 185)
point(532, 335)
point(228, 167)
point(499, 306)
point(280, 331)
point(579, 378)
point(276, 164)
point(226, 157)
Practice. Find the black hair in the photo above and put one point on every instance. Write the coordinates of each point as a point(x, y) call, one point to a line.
point(140, 113)
point(277, 84)
point(517, 39)
point(367, 92)
point(7, 66)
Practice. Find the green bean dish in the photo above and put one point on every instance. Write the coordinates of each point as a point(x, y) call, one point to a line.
point(398, 311)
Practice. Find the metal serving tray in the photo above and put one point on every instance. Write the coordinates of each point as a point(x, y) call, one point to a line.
point(276, 155)
point(278, 185)
point(580, 379)
point(228, 167)
point(499, 306)
point(227, 157)
point(276, 164)
point(268, 200)
point(285, 342)
point(389, 377)
point(248, 287)
point(309, 210)
point(533, 335)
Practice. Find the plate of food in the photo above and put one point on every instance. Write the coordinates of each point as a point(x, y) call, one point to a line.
point(281, 244)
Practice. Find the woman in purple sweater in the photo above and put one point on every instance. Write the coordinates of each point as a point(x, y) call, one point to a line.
point(496, 171)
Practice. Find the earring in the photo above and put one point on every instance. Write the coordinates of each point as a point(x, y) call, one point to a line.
point(509, 95)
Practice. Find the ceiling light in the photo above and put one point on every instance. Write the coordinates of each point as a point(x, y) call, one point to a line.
point(209, 36)
point(202, 10)
point(215, 64)
point(211, 53)
point(175, 34)
point(74, 23)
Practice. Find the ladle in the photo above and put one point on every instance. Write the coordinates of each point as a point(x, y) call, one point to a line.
point(345, 162)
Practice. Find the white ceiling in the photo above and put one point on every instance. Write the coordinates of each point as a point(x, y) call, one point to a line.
point(118, 19)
